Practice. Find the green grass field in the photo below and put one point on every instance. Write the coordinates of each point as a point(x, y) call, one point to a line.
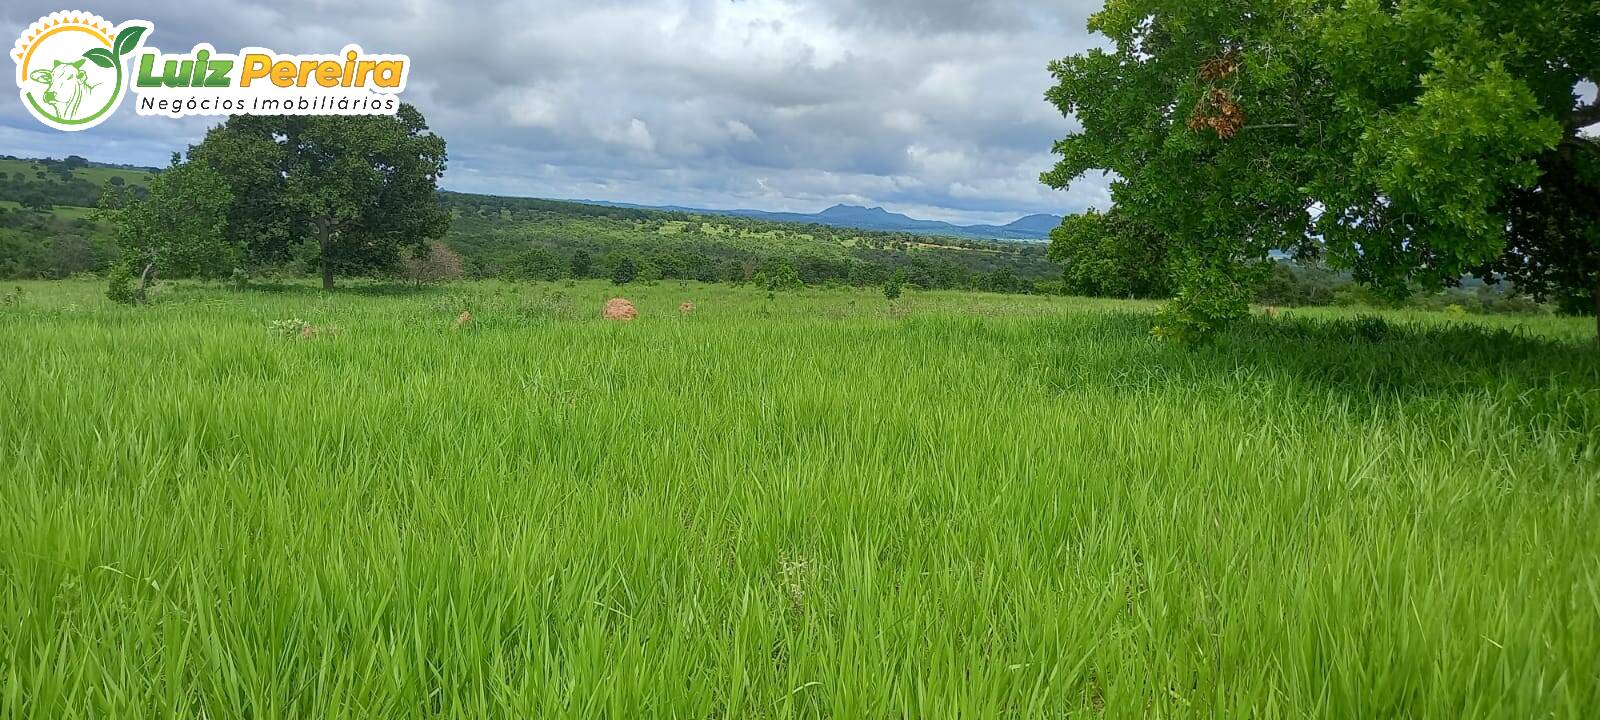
point(817, 505)
point(65, 212)
point(97, 174)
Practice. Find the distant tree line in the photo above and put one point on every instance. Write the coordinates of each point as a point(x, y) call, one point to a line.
point(45, 246)
point(259, 198)
point(49, 183)
point(530, 239)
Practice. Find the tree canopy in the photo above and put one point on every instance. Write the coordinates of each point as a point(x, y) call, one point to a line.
point(1410, 141)
point(362, 188)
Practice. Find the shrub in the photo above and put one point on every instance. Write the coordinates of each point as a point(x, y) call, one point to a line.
point(582, 265)
point(121, 287)
point(783, 277)
point(552, 305)
point(1109, 255)
point(436, 264)
point(292, 327)
point(536, 264)
point(625, 272)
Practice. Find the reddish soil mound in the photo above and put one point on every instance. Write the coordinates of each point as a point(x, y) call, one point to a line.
point(620, 309)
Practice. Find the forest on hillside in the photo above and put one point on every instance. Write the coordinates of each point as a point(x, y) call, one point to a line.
point(49, 228)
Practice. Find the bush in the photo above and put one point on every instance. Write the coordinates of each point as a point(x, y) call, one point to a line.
point(120, 287)
point(437, 264)
point(1109, 255)
point(625, 272)
point(782, 277)
point(582, 265)
point(537, 264)
point(1210, 296)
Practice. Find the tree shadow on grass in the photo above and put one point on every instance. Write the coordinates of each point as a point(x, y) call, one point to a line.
point(1373, 356)
point(371, 288)
point(1365, 361)
point(1539, 387)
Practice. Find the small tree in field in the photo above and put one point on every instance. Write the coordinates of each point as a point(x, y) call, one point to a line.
point(891, 289)
point(435, 263)
point(179, 229)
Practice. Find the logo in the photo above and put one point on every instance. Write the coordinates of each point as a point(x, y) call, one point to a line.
point(73, 69)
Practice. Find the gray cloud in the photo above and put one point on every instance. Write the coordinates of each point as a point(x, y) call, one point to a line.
point(930, 107)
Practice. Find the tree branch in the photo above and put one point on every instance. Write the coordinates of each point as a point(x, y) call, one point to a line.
point(1585, 115)
point(1582, 143)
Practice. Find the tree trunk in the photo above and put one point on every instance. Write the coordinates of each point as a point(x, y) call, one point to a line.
point(1597, 307)
point(325, 241)
point(144, 279)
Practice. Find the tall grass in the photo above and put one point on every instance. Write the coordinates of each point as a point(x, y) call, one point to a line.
point(808, 506)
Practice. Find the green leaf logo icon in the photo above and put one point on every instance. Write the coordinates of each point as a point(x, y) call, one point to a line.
point(101, 57)
point(128, 39)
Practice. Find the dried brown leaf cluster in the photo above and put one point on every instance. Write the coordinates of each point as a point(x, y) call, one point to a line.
point(1218, 111)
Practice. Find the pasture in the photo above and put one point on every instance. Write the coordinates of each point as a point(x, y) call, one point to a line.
point(817, 504)
point(96, 174)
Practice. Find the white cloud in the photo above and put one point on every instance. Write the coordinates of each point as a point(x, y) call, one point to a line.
point(931, 107)
point(529, 107)
point(740, 131)
point(634, 134)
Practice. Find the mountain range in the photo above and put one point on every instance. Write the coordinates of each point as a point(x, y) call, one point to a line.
point(1032, 227)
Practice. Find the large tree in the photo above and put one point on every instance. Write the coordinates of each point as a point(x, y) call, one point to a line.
point(1411, 141)
point(361, 188)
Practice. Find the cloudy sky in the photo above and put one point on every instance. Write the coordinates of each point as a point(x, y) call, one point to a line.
point(929, 107)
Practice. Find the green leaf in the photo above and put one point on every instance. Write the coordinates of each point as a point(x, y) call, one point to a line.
point(128, 39)
point(101, 57)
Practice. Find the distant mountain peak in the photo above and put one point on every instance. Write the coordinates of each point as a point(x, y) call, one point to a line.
point(843, 209)
point(1034, 227)
point(1038, 222)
